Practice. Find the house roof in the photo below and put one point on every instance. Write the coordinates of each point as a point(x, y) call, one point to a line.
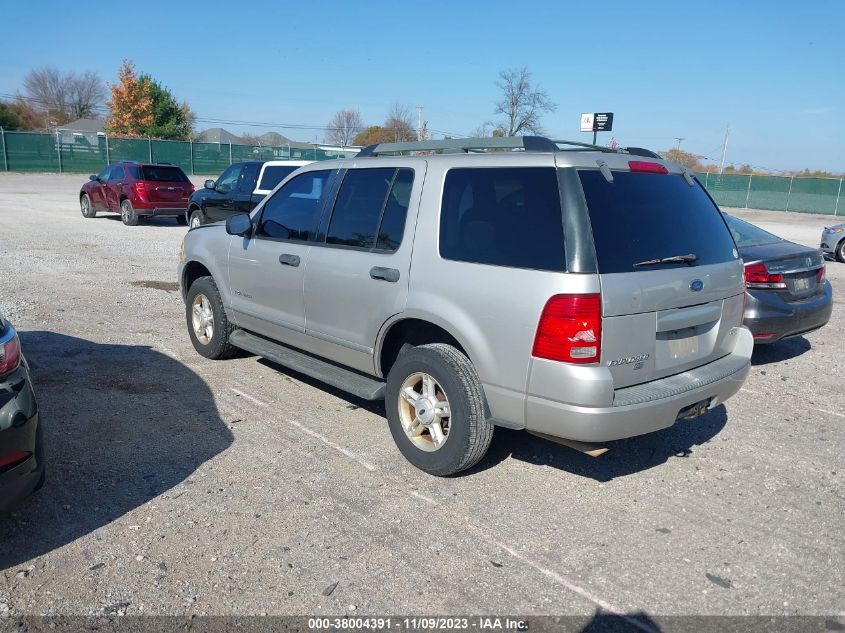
point(217, 135)
point(86, 125)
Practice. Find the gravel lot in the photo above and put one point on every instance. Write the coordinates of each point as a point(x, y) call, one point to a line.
point(178, 485)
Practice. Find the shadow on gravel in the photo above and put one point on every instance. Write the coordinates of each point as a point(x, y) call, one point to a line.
point(603, 622)
point(782, 350)
point(146, 221)
point(625, 457)
point(122, 425)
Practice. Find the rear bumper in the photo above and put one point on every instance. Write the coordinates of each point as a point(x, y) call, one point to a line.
point(766, 313)
point(20, 430)
point(644, 408)
point(162, 211)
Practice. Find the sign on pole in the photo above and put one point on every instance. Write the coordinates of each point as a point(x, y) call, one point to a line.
point(596, 122)
point(587, 121)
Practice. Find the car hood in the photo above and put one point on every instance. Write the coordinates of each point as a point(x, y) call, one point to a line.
point(836, 226)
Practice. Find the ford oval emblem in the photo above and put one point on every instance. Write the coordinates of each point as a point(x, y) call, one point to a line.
point(696, 285)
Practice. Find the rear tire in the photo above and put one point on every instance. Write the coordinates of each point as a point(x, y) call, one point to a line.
point(208, 325)
point(197, 219)
point(85, 206)
point(840, 251)
point(455, 385)
point(128, 214)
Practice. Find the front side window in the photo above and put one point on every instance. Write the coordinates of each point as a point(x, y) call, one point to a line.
point(117, 173)
point(227, 181)
point(503, 216)
point(293, 211)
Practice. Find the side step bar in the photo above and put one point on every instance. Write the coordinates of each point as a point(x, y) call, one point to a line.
point(364, 387)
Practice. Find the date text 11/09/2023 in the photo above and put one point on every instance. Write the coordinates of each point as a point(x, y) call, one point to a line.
point(483, 623)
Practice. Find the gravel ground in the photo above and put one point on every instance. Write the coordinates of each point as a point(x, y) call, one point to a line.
point(178, 485)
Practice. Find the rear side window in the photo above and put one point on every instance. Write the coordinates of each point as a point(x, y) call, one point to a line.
point(163, 173)
point(640, 217)
point(370, 209)
point(509, 216)
point(274, 174)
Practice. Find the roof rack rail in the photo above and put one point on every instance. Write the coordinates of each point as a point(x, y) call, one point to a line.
point(471, 145)
point(528, 143)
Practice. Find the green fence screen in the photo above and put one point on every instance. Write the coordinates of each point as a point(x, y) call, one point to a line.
point(90, 153)
point(65, 152)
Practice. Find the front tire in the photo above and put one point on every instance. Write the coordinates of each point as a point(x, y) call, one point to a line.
point(197, 219)
point(208, 325)
point(840, 251)
point(128, 213)
point(85, 206)
point(435, 409)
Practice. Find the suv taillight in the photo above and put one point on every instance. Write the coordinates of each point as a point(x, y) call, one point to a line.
point(756, 276)
point(140, 189)
point(570, 329)
point(10, 354)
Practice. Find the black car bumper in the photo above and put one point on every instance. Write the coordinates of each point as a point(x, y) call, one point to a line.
point(20, 433)
point(771, 318)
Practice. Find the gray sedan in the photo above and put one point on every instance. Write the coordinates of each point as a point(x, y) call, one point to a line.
point(786, 290)
point(833, 241)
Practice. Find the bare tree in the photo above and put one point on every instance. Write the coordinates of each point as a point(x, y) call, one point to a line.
point(400, 123)
point(64, 96)
point(522, 104)
point(344, 127)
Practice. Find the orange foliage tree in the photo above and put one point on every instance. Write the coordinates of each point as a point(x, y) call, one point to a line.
point(131, 104)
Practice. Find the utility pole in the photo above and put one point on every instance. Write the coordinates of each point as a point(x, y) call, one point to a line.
point(724, 148)
point(419, 122)
point(679, 139)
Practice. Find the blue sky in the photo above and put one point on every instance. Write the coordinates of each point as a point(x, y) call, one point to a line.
point(772, 70)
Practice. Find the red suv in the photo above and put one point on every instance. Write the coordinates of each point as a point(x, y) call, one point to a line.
point(136, 190)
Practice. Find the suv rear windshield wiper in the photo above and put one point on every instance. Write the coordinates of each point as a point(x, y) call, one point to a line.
point(689, 259)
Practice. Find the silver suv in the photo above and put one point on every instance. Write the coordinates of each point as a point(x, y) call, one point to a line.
point(573, 291)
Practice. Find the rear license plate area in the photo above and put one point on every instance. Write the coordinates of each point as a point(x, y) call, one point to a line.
point(694, 410)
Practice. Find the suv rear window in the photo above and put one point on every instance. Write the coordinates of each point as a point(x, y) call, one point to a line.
point(503, 216)
point(640, 217)
point(274, 174)
point(163, 173)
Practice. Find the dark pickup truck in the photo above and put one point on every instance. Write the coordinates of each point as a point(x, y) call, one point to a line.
point(238, 189)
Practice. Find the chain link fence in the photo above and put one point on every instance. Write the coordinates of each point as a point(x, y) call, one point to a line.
point(65, 152)
point(90, 153)
point(777, 193)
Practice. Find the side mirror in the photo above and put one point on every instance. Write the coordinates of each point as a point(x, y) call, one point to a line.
point(93, 177)
point(209, 184)
point(239, 224)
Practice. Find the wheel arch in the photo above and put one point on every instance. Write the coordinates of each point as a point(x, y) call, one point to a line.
point(192, 271)
point(413, 330)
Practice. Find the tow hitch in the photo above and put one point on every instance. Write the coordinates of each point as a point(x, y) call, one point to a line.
point(694, 410)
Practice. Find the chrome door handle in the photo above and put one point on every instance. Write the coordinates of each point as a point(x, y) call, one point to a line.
point(385, 274)
point(289, 260)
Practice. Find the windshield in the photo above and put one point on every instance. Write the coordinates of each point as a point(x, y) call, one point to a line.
point(163, 173)
point(640, 217)
point(746, 234)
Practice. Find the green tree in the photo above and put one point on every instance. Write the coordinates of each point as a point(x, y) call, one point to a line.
point(691, 161)
point(171, 119)
point(9, 119)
